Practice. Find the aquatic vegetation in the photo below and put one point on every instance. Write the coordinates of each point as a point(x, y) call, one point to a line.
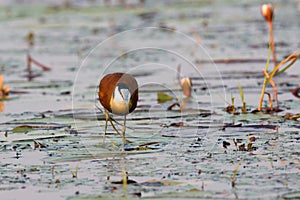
point(235, 171)
point(185, 83)
point(292, 116)
point(296, 92)
point(290, 60)
point(30, 38)
point(231, 108)
point(30, 61)
point(4, 90)
point(75, 173)
point(163, 97)
point(244, 108)
point(267, 11)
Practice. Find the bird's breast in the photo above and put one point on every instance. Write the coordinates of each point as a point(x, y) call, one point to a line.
point(120, 101)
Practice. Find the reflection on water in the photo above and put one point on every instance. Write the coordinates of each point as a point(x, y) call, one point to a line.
point(4, 91)
point(1, 106)
point(175, 152)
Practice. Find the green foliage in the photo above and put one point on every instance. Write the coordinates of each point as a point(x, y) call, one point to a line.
point(241, 92)
point(235, 171)
point(242, 98)
point(22, 129)
point(291, 58)
point(163, 97)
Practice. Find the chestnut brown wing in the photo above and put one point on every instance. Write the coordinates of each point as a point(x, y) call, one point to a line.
point(106, 89)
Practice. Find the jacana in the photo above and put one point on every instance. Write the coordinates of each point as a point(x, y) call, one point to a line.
point(118, 94)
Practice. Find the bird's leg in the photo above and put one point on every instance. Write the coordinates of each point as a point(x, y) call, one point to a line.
point(105, 127)
point(114, 127)
point(123, 133)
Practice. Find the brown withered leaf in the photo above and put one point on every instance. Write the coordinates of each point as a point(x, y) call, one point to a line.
point(291, 116)
point(296, 92)
point(242, 147)
point(38, 145)
point(226, 144)
point(252, 139)
point(173, 105)
point(249, 146)
point(178, 124)
point(235, 143)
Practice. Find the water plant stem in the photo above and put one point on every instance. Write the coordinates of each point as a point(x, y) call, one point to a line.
point(273, 86)
point(272, 44)
point(29, 67)
point(235, 171)
point(123, 134)
point(244, 109)
point(268, 79)
point(124, 177)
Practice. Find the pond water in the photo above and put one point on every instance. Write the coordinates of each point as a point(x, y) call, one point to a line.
point(51, 130)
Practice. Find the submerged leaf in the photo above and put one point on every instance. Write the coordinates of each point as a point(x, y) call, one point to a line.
point(22, 129)
point(161, 183)
point(189, 194)
point(225, 144)
point(178, 124)
point(291, 116)
point(294, 195)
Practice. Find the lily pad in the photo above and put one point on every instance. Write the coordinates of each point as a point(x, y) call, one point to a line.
point(163, 97)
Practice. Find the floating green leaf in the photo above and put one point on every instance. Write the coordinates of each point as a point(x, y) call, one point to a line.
point(22, 129)
point(163, 97)
point(294, 195)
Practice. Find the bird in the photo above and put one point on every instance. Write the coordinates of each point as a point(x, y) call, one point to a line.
point(267, 11)
point(118, 94)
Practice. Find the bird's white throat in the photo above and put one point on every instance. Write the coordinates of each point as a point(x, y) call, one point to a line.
point(120, 101)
